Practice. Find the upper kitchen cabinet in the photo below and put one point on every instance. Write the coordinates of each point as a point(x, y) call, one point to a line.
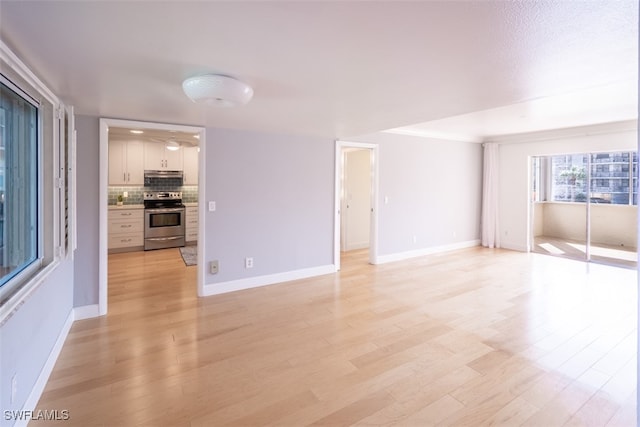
point(158, 157)
point(125, 162)
point(190, 165)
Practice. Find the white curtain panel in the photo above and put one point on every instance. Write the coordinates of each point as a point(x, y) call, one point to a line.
point(490, 229)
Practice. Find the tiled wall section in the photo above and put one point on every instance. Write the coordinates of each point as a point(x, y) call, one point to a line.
point(189, 193)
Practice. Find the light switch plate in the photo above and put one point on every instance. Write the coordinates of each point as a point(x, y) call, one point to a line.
point(212, 206)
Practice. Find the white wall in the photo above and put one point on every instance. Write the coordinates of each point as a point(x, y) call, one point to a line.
point(274, 203)
point(88, 211)
point(610, 224)
point(30, 335)
point(614, 225)
point(515, 153)
point(433, 188)
point(564, 220)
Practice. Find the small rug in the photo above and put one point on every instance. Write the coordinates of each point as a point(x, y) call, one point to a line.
point(189, 255)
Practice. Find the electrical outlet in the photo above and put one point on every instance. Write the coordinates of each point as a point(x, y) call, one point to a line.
point(415, 239)
point(125, 194)
point(248, 263)
point(213, 267)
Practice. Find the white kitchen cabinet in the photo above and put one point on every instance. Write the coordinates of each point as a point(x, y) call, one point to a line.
point(125, 163)
point(191, 224)
point(157, 157)
point(190, 165)
point(126, 230)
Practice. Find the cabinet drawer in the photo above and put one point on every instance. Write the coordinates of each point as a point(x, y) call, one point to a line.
point(191, 235)
point(134, 214)
point(191, 222)
point(126, 240)
point(123, 226)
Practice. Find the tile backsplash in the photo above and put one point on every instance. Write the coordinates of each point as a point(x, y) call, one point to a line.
point(189, 193)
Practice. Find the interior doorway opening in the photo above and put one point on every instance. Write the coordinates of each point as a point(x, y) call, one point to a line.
point(355, 221)
point(356, 201)
point(109, 189)
point(584, 206)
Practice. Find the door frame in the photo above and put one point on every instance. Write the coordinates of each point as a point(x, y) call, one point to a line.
point(103, 251)
point(373, 232)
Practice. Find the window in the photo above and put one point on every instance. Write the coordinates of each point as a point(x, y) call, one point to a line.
point(37, 182)
point(612, 177)
point(18, 182)
point(568, 178)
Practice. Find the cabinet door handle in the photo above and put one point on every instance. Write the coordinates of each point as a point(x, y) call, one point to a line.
point(124, 176)
point(128, 177)
point(125, 226)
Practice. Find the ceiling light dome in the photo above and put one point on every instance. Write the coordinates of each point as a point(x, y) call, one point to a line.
point(217, 90)
point(172, 145)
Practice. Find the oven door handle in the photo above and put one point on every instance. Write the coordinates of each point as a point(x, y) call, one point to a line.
point(168, 210)
point(164, 239)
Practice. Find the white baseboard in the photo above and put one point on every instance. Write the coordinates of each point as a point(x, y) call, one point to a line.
point(41, 382)
point(86, 312)
point(356, 246)
point(270, 279)
point(514, 247)
point(382, 259)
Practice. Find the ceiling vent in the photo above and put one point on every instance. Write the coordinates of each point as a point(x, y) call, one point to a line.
point(217, 90)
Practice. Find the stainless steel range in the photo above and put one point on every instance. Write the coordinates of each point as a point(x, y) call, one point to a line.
point(164, 220)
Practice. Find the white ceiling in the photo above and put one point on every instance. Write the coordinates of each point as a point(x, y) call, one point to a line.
point(340, 69)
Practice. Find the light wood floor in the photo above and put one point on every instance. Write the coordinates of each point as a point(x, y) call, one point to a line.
point(469, 338)
point(620, 256)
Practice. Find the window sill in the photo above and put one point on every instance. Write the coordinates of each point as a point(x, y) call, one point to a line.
point(24, 292)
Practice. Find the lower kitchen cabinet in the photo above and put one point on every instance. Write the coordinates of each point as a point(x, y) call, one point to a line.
point(126, 230)
point(191, 224)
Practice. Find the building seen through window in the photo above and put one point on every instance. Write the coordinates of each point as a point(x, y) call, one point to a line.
point(613, 178)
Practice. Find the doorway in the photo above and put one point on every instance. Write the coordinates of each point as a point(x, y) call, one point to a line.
point(105, 125)
point(356, 188)
point(584, 206)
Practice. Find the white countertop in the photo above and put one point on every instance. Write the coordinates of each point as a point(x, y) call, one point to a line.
point(114, 207)
point(191, 204)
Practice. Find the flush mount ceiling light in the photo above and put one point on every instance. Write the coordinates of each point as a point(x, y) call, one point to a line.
point(217, 90)
point(172, 145)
